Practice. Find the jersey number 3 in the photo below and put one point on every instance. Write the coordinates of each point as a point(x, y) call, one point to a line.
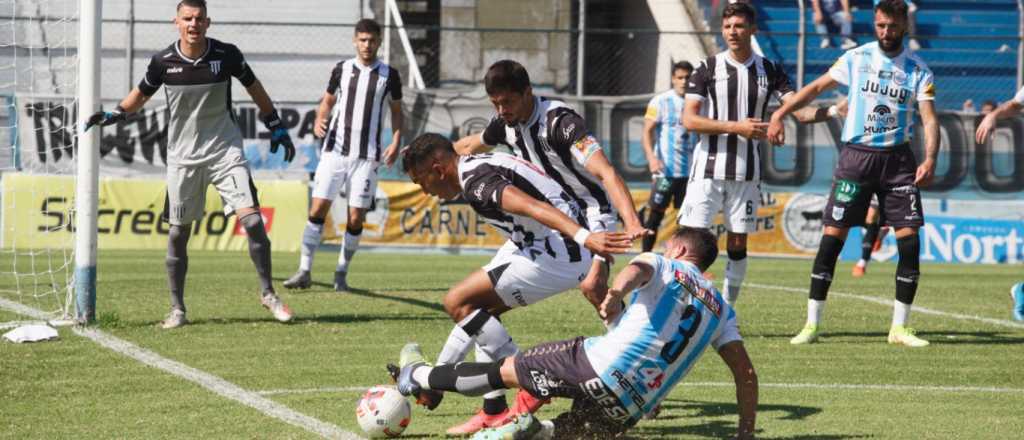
point(688, 325)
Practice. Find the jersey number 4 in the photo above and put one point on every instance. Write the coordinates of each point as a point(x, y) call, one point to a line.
point(689, 322)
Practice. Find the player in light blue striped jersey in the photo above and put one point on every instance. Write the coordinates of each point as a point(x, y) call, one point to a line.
point(667, 146)
point(671, 315)
point(885, 80)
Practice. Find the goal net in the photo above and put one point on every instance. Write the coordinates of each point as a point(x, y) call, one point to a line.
point(38, 84)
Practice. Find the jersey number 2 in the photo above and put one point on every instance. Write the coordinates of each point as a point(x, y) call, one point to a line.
point(688, 325)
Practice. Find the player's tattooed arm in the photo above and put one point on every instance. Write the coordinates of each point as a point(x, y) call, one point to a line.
point(735, 356)
point(926, 171)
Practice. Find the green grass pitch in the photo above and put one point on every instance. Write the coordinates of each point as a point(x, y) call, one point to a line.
point(969, 384)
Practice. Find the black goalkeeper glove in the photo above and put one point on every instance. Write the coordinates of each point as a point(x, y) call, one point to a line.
point(278, 135)
point(106, 118)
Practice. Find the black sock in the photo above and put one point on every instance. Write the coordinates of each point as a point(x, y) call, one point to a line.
point(468, 378)
point(652, 223)
point(908, 269)
point(868, 243)
point(495, 405)
point(824, 266)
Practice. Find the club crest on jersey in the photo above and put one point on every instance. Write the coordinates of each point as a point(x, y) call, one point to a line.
point(762, 81)
point(215, 67)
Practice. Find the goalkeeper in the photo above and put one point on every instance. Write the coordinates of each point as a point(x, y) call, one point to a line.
point(205, 145)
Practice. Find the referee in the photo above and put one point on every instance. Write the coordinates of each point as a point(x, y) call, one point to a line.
point(205, 145)
point(885, 80)
point(352, 148)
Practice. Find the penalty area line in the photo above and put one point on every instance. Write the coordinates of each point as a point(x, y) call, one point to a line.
point(206, 380)
point(888, 302)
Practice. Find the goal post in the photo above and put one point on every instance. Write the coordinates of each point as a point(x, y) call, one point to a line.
point(87, 175)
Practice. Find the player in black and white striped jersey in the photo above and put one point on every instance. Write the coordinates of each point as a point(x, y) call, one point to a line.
point(726, 101)
point(553, 136)
point(352, 148)
point(548, 250)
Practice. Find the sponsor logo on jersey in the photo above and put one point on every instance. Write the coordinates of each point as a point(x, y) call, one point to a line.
point(875, 88)
point(174, 70)
point(697, 289)
point(627, 386)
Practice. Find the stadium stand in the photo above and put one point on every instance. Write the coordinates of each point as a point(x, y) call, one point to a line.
point(970, 45)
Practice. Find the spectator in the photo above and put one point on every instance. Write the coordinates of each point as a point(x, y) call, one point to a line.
point(988, 107)
point(836, 12)
point(968, 106)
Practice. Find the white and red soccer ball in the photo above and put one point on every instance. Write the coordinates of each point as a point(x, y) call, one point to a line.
point(383, 412)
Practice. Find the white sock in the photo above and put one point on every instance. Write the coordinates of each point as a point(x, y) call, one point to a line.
point(814, 311)
point(900, 313)
point(862, 263)
point(482, 356)
point(494, 339)
point(349, 246)
point(421, 375)
point(735, 272)
point(310, 241)
point(456, 347)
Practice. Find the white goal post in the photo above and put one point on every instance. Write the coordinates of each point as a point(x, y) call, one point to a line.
point(87, 181)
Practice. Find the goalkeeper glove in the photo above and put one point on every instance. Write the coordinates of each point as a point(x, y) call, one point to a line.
point(106, 118)
point(278, 135)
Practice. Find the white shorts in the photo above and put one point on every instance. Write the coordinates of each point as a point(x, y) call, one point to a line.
point(357, 177)
point(521, 280)
point(737, 200)
point(186, 188)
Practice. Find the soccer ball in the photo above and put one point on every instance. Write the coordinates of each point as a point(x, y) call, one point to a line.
point(383, 412)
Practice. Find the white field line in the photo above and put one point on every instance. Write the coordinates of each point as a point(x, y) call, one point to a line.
point(204, 379)
point(816, 386)
point(13, 324)
point(888, 302)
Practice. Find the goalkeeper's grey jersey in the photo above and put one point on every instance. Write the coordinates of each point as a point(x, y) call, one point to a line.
point(201, 126)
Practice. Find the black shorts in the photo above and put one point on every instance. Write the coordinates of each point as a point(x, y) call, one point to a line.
point(665, 190)
point(865, 171)
point(561, 369)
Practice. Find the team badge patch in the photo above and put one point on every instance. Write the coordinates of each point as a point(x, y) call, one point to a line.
point(837, 213)
point(846, 191)
point(215, 67)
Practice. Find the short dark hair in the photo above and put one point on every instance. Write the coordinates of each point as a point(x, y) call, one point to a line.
point(368, 26)
point(506, 76)
point(894, 8)
point(682, 65)
point(193, 4)
point(423, 148)
point(741, 8)
point(701, 242)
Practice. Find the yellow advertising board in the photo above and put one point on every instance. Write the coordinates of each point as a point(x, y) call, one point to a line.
point(787, 223)
point(38, 212)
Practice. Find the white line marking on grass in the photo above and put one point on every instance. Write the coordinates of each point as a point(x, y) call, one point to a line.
point(879, 387)
point(13, 324)
point(204, 379)
point(888, 302)
point(819, 386)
